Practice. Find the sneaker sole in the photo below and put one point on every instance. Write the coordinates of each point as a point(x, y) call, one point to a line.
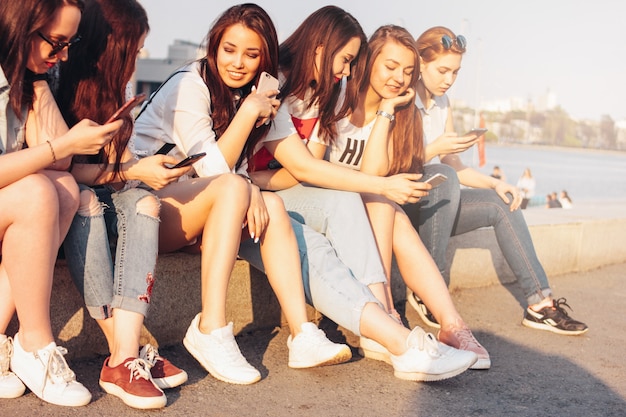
point(198, 356)
point(413, 303)
point(547, 327)
point(377, 356)
point(425, 377)
point(134, 401)
point(481, 364)
point(171, 381)
point(12, 392)
point(344, 355)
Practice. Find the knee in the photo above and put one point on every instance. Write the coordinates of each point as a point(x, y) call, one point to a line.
point(233, 186)
point(274, 203)
point(89, 205)
point(149, 206)
point(41, 191)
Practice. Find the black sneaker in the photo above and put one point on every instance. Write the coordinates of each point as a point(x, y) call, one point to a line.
point(419, 306)
point(554, 319)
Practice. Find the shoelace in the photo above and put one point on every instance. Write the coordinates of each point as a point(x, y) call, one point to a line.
point(425, 341)
point(6, 351)
point(138, 368)
point(562, 302)
point(56, 367)
point(466, 338)
point(150, 354)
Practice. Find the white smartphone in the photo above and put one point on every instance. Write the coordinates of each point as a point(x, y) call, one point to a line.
point(476, 132)
point(267, 82)
point(436, 179)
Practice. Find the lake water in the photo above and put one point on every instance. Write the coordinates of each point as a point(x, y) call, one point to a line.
point(586, 174)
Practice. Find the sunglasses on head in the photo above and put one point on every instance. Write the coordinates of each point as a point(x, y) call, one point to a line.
point(58, 46)
point(447, 42)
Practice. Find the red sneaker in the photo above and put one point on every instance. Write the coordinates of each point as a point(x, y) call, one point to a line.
point(130, 381)
point(164, 373)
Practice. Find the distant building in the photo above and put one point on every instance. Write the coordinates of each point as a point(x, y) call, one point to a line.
point(151, 72)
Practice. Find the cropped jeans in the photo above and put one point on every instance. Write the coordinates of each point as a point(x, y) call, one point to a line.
point(127, 282)
point(449, 210)
point(338, 252)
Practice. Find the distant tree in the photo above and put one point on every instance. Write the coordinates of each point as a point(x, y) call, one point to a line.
point(608, 135)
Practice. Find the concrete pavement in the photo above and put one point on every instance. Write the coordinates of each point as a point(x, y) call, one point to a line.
point(534, 373)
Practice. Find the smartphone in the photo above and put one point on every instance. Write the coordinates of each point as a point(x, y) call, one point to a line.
point(476, 132)
point(267, 82)
point(127, 107)
point(165, 149)
point(436, 179)
point(189, 160)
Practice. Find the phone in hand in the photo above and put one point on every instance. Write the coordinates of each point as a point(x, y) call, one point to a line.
point(189, 160)
point(476, 132)
point(267, 82)
point(436, 179)
point(127, 107)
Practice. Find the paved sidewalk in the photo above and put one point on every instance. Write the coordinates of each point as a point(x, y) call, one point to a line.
point(534, 373)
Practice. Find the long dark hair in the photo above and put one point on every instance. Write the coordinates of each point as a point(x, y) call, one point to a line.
point(93, 83)
point(332, 28)
point(252, 17)
point(19, 23)
point(408, 144)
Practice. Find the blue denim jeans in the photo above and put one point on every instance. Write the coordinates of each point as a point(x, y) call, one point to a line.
point(126, 283)
point(335, 242)
point(449, 210)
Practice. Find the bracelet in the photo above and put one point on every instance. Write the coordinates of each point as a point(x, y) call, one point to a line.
point(54, 156)
point(389, 116)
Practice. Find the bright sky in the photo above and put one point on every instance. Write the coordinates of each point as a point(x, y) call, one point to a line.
point(574, 48)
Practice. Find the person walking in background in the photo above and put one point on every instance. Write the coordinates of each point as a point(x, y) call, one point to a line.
point(526, 185)
point(37, 199)
point(449, 210)
point(117, 289)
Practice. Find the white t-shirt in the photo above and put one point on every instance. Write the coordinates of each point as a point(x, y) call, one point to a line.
point(180, 113)
point(347, 150)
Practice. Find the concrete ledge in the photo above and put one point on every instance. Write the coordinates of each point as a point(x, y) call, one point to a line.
point(581, 239)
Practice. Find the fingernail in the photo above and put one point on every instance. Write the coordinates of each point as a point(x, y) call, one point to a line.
point(256, 240)
point(252, 235)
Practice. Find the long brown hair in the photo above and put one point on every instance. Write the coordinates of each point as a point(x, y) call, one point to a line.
point(252, 17)
point(19, 23)
point(332, 28)
point(407, 135)
point(93, 83)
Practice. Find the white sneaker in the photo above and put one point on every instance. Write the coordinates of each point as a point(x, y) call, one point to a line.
point(48, 376)
point(219, 354)
point(424, 361)
point(312, 348)
point(371, 349)
point(10, 384)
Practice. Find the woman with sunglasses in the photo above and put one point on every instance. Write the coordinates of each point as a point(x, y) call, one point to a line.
point(484, 201)
point(117, 287)
point(37, 198)
point(345, 279)
point(382, 124)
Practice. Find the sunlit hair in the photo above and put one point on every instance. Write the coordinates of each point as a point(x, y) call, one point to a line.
point(408, 146)
point(332, 28)
point(93, 82)
point(19, 23)
point(430, 47)
point(252, 17)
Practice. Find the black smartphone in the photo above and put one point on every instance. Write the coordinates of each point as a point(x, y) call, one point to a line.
point(127, 107)
point(165, 149)
point(189, 160)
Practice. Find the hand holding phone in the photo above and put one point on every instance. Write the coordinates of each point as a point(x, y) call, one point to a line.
point(476, 132)
point(127, 107)
point(267, 82)
point(189, 160)
point(436, 180)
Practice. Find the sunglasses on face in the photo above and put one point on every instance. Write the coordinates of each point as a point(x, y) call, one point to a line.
point(58, 46)
point(447, 42)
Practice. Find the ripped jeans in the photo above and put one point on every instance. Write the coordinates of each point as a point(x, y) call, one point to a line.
point(118, 225)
